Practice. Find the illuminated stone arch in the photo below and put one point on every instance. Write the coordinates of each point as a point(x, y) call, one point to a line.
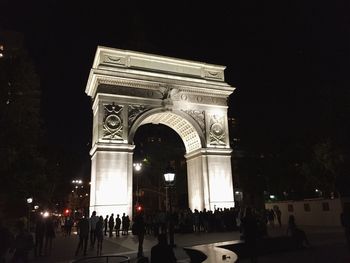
point(130, 89)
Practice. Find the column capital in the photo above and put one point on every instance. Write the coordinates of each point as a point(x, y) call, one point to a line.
point(112, 147)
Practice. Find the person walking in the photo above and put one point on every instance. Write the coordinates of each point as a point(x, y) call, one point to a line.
point(23, 244)
point(162, 252)
point(271, 217)
point(68, 226)
point(111, 225)
point(345, 222)
point(83, 232)
point(139, 230)
point(6, 240)
point(250, 233)
point(49, 235)
point(297, 234)
point(99, 235)
point(93, 221)
point(106, 224)
point(118, 222)
point(39, 236)
point(278, 213)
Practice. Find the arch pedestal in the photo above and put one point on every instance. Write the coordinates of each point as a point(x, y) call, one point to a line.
point(209, 176)
point(111, 180)
point(130, 89)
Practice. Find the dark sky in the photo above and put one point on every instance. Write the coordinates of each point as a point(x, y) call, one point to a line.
point(287, 59)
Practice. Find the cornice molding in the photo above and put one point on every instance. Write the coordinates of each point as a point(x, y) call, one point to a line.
point(210, 89)
point(114, 59)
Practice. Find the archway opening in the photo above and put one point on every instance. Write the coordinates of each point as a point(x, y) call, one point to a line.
point(156, 147)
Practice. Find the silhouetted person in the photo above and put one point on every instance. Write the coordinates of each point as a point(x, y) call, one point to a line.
point(118, 223)
point(49, 235)
point(99, 235)
point(39, 236)
point(139, 230)
point(111, 225)
point(250, 233)
point(23, 244)
point(271, 217)
point(345, 221)
point(68, 225)
point(297, 234)
point(278, 213)
point(162, 252)
point(83, 232)
point(124, 224)
point(106, 224)
point(6, 240)
point(93, 221)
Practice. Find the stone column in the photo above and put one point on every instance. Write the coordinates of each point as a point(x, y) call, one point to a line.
point(111, 179)
point(209, 176)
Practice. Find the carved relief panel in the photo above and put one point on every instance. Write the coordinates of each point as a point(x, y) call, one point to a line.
point(198, 116)
point(134, 111)
point(217, 131)
point(113, 122)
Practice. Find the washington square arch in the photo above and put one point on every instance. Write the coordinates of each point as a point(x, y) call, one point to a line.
point(129, 89)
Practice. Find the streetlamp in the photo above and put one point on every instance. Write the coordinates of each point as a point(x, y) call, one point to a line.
point(169, 178)
point(76, 203)
point(29, 202)
point(137, 167)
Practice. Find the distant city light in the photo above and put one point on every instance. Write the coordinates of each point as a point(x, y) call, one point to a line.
point(46, 214)
point(137, 166)
point(272, 196)
point(36, 207)
point(77, 182)
point(29, 200)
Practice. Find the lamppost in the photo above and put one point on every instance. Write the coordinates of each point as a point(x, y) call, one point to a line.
point(137, 167)
point(78, 184)
point(29, 203)
point(169, 178)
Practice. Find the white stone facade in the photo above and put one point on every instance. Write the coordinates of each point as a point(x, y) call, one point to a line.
point(130, 89)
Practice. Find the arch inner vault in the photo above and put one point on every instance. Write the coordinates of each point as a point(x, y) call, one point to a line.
point(130, 89)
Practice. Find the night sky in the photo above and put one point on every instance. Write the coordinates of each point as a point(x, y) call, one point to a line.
point(288, 61)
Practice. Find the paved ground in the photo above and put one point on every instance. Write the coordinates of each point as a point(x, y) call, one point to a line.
point(328, 245)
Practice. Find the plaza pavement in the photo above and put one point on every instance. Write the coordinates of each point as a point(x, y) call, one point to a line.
point(328, 245)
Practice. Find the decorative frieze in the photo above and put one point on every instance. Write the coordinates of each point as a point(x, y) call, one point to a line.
point(213, 74)
point(199, 98)
point(127, 90)
point(112, 122)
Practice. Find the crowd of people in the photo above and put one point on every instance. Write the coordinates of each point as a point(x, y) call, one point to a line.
point(92, 230)
point(23, 241)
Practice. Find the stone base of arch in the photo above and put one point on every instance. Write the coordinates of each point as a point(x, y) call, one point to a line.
point(209, 177)
point(111, 179)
